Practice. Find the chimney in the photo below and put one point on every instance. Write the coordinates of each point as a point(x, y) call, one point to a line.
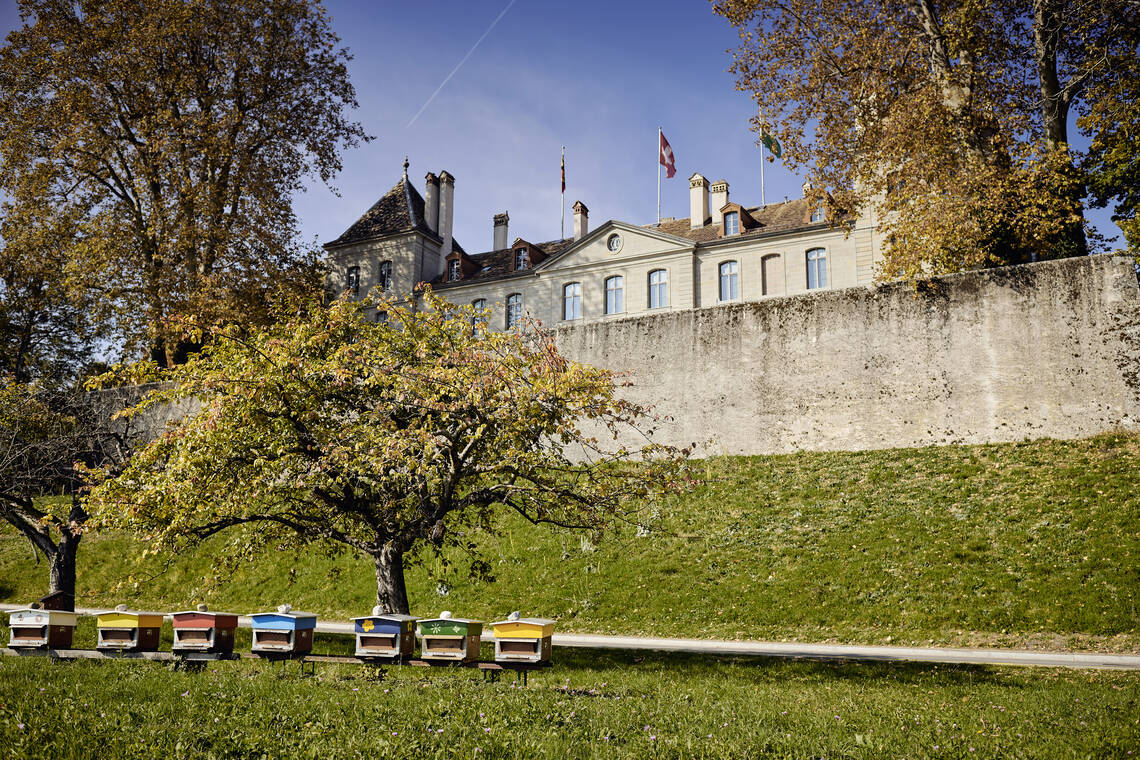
point(431, 202)
point(501, 231)
point(719, 192)
point(446, 215)
point(806, 187)
point(698, 201)
point(581, 220)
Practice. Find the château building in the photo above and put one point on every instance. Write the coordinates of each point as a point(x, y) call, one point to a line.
point(723, 252)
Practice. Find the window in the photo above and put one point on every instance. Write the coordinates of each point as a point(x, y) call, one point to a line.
point(384, 279)
point(352, 280)
point(453, 270)
point(381, 317)
point(514, 310)
point(732, 223)
point(729, 281)
point(479, 318)
point(614, 300)
point(521, 259)
point(572, 300)
point(658, 289)
point(816, 268)
point(818, 215)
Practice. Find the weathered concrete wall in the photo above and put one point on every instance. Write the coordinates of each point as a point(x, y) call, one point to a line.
point(1049, 349)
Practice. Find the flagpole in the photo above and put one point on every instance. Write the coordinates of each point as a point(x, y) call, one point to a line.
point(563, 192)
point(658, 176)
point(763, 201)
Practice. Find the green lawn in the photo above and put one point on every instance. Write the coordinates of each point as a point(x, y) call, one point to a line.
point(1027, 544)
point(591, 705)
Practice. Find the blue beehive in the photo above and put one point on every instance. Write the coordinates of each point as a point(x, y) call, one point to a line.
point(388, 636)
point(283, 633)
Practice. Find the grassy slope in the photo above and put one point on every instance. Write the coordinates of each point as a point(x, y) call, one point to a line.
point(592, 705)
point(1034, 544)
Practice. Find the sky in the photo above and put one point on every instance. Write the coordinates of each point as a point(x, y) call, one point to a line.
point(533, 76)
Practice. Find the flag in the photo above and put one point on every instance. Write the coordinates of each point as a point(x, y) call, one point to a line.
point(666, 157)
point(770, 142)
point(563, 170)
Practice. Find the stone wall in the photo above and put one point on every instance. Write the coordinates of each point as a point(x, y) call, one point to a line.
point(1041, 350)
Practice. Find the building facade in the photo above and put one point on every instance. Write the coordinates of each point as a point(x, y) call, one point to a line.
point(724, 252)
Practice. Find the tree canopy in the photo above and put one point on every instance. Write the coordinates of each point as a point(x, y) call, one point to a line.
point(172, 134)
point(948, 119)
point(392, 438)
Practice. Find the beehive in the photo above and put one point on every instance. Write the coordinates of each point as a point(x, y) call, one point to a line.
point(129, 631)
point(203, 631)
point(519, 639)
point(449, 639)
point(283, 633)
point(385, 636)
point(32, 629)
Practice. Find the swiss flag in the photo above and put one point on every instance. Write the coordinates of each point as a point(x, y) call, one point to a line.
point(666, 157)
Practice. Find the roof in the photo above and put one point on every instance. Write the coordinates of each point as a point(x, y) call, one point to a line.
point(498, 265)
point(401, 209)
point(775, 217)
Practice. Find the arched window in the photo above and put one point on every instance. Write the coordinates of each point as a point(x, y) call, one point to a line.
point(572, 300)
point(658, 289)
point(384, 278)
point(732, 223)
point(352, 281)
point(816, 268)
point(818, 215)
point(522, 260)
point(453, 270)
point(479, 318)
point(615, 300)
point(514, 310)
point(729, 281)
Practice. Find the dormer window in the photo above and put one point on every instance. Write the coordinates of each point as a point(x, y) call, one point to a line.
point(453, 270)
point(352, 281)
point(732, 223)
point(522, 259)
point(818, 215)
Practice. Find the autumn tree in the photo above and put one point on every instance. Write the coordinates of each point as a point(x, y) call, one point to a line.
point(948, 119)
point(174, 132)
point(392, 438)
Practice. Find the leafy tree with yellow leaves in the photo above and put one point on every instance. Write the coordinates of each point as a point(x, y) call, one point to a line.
point(949, 118)
point(175, 133)
point(391, 438)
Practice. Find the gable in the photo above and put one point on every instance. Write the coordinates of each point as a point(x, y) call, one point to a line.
point(635, 243)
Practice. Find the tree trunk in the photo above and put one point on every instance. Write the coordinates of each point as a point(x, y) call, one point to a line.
point(391, 594)
point(63, 568)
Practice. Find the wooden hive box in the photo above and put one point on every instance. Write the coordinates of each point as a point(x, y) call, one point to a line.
point(128, 631)
point(283, 633)
point(448, 639)
point(203, 631)
point(35, 629)
point(389, 636)
point(519, 639)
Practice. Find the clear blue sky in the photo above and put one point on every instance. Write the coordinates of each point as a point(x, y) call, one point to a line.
point(598, 77)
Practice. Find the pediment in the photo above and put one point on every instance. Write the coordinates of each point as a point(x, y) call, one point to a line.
point(633, 243)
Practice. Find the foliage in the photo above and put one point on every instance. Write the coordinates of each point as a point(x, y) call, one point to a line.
point(1027, 545)
point(384, 437)
point(945, 120)
point(172, 134)
point(1113, 118)
point(594, 704)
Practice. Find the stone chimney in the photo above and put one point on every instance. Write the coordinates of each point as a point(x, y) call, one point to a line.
point(719, 192)
point(446, 216)
point(698, 201)
point(501, 240)
point(581, 220)
point(431, 202)
point(806, 187)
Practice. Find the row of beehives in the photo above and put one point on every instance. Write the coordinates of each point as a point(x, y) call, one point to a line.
point(286, 633)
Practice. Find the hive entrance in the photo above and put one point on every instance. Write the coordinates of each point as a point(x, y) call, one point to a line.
point(28, 633)
point(193, 636)
point(116, 635)
point(518, 646)
point(272, 637)
point(446, 644)
point(377, 642)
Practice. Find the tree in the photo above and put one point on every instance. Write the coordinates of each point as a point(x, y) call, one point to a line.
point(948, 118)
point(175, 132)
point(391, 438)
point(44, 435)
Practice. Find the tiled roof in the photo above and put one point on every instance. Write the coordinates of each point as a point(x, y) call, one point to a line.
point(775, 217)
point(497, 265)
point(400, 210)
